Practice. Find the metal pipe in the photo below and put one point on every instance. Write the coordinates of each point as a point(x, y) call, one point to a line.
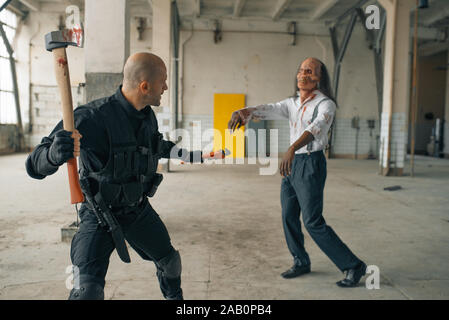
point(299, 33)
point(378, 65)
point(4, 5)
point(334, 42)
point(337, 65)
point(390, 116)
point(381, 33)
point(175, 34)
point(381, 155)
point(181, 89)
point(414, 94)
point(30, 77)
point(347, 36)
point(341, 52)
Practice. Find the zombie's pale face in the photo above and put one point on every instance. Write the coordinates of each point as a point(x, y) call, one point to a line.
point(309, 74)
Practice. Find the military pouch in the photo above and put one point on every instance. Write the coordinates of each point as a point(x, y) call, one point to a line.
point(119, 195)
point(110, 193)
point(132, 192)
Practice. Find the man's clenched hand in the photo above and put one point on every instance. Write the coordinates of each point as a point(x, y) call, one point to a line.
point(65, 145)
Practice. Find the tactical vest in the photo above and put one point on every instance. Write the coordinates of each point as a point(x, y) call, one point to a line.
point(130, 172)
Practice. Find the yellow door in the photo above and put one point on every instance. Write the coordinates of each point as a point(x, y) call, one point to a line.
point(224, 105)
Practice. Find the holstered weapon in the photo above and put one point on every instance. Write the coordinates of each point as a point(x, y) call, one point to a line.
point(106, 220)
point(155, 182)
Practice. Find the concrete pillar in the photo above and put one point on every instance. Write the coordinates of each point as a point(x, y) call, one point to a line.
point(162, 41)
point(446, 115)
point(106, 45)
point(396, 91)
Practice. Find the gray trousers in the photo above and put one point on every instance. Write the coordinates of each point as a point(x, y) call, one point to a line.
point(302, 191)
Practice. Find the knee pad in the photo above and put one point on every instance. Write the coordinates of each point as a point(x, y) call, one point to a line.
point(87, 291)
point(170, 265)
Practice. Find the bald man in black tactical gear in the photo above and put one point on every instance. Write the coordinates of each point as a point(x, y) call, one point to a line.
point(119, 145)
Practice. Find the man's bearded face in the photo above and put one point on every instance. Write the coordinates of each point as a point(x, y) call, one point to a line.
point(309, 74)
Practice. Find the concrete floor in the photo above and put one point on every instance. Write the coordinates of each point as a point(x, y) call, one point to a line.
point(225, 220)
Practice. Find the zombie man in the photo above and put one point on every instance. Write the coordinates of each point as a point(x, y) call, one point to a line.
point(310, 112)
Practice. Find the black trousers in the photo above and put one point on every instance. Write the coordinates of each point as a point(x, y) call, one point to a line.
point(144, 231)
point(302, 191)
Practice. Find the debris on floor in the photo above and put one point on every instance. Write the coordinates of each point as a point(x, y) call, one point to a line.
point(393, 188)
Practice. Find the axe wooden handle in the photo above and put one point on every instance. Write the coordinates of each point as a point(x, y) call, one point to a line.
point(63, 80)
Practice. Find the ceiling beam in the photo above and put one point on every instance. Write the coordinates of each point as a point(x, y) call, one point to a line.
point(433, 47)
point(348, 12)
point(197, 8)
point(14, 9)
point(438, 15)
point(238, 6)
point(31, 4)
point(322, 9)
point(281, 6)
point(427, 33)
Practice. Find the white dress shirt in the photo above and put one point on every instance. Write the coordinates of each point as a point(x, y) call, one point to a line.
point(300, 117)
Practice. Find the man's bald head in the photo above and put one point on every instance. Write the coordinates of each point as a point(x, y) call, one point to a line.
point(144, 80)
point(140, 67)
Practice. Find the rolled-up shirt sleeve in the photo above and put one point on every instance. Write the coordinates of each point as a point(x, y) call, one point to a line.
point(271, 111)
point(323, 121)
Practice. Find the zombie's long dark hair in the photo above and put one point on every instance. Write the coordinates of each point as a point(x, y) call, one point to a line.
point(324, 85)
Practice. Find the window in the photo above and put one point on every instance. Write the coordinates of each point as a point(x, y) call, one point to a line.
point(7, 103)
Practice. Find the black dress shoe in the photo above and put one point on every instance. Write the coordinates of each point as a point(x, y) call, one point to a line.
point(296, 271)
point(353, 276)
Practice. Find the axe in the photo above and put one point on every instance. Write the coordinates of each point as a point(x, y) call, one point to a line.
point(57, 42)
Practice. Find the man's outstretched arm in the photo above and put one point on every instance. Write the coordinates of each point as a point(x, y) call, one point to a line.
point(169, 150)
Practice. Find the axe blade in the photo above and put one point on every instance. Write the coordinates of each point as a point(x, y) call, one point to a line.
point(66, 37)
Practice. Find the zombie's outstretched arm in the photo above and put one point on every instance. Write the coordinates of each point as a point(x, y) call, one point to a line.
point(270, 111)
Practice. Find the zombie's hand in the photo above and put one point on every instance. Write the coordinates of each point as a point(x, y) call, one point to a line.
point(240, 118)
point(285, 167)
point(65, 145)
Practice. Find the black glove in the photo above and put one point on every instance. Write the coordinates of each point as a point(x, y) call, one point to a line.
point(61, 148)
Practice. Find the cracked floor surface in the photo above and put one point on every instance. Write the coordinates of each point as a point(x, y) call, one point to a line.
point(226, 222)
